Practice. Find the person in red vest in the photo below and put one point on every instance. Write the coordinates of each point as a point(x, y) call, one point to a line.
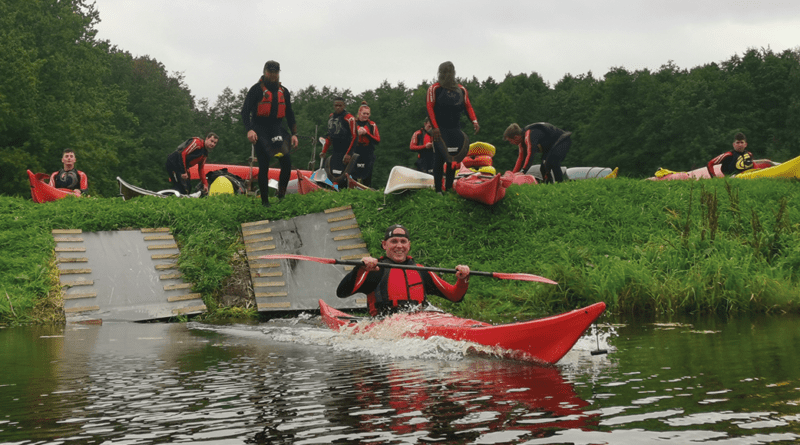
point(193, 151)
point(390, 290)
point(69, 177)
point(264, 108)
point(368, 138)
point(422, 144)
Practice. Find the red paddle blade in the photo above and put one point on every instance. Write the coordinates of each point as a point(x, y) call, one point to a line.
point(289, 256)
point(522, 277)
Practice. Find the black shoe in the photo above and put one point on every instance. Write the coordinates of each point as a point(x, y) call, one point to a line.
point(265, 203)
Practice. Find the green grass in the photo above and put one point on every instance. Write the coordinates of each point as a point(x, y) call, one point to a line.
point(714, 246)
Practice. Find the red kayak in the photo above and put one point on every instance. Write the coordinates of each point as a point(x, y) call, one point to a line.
point(544, 340)
point(41, 191)
point(243, 171)
point(489, 189)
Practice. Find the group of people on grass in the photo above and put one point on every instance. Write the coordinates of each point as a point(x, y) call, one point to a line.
point(352, 140)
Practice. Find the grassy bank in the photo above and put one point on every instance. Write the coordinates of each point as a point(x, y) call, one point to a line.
point(640, 246)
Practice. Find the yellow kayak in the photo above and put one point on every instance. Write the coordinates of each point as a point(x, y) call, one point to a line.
point(788, 169)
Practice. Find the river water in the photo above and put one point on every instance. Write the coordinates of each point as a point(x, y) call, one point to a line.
point(716, 381)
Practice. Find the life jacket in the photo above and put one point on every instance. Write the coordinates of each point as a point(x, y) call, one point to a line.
point(399, 287)
point(265, 106)
point(67, 179)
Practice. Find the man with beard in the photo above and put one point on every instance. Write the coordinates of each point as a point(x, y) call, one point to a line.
point(422, 144)
point(265, 106)
point(69, 177)
point(341, 138)
point(194, 151)
point(368, 137)
point(446, 100)
point(552, 142)
point(389, 289)
point(733, 161)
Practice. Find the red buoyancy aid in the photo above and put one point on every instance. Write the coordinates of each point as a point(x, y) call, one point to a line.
point(265, 106)
point(399, 287)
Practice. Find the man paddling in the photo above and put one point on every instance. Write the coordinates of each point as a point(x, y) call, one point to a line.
point(69, 177)
point(388, 289)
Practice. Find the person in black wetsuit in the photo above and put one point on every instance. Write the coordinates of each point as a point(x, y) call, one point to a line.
point(446, 100)
point(552, 142)
point(390, 290)
point(422, 144)
point(264, 108)
point(193, 151)
point(733, 161)
point(69, 177)
point(368, 138)
point(341, 138)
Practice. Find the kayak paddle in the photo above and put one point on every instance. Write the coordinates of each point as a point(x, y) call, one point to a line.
point(499, 275)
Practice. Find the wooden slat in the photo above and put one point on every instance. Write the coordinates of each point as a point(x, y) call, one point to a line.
point(66, 231)
point(79, 283)
point(162, 246)
point(61, 259)
point(257, 232)
point(158, 237)
point(255, 264)
point(338, 209)
point(164, 256)
point(73, 310)
point(271, 294)
point(170, 276)
point(79, 296)
point(355, 257)
point(346, 237)
point(65, 239)
point(352, 246)
point(156, 230)
point(259, 249)
point(341, 218)
point(270, 284)
point(259, 240)
point(254, 275)
point(274, 305)
point(340, 228)
point(254, 223)
point(185, 297)
point(70, 249)
point(166, 266)
point(178, 286)
point(184, 310)
point(73, 271)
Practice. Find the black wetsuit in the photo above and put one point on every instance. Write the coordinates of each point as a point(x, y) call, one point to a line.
point(365, 148)
point(553, 142)
point(444, 110)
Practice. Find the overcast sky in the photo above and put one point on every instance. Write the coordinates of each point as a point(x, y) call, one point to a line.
point(357, 45)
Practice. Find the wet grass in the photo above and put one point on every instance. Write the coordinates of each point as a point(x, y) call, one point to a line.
point(714, 246)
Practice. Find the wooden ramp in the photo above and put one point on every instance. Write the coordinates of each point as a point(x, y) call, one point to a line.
point(126, 275)
point(288, 285)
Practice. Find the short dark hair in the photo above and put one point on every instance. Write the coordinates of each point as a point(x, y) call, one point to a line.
point(740, 137)
point(67, 150)
point(512, 130)
point(210, 134)
point(338, 98)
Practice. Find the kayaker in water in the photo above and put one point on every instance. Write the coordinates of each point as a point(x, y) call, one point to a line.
point(446, 100)
point(69, 177)
point(390, 290)
point(194, 151)
point(368, 137)
point(733, 161)
point(422, 144)
point(264, 108)
point(341, 138)
point(551, 141)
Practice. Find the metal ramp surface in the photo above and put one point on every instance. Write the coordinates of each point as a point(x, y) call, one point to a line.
point(287, 285)
point(126, 275)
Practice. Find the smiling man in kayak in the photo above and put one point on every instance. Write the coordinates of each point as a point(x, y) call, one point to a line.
point(390, 290)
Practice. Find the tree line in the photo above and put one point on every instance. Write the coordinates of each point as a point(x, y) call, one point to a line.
point(64, 88)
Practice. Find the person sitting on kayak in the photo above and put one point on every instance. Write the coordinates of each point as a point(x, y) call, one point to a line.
point(389, 290)
point(551, 141)
point(69, 177)
point(733, 161)
point(194, 151)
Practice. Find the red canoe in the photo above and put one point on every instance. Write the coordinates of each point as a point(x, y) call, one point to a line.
point(243, 171)
point(489, 189)
point(41, 191)
point(544, 340)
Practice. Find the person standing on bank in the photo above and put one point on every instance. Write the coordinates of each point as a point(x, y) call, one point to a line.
point(422, 144)
point(69, 177)
point(552, 142)
point(446, 100)
point(264, 108)
point(368, 138)
point(733, 161)
point(391, 290)
point(194, 151)
point(341, 138)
